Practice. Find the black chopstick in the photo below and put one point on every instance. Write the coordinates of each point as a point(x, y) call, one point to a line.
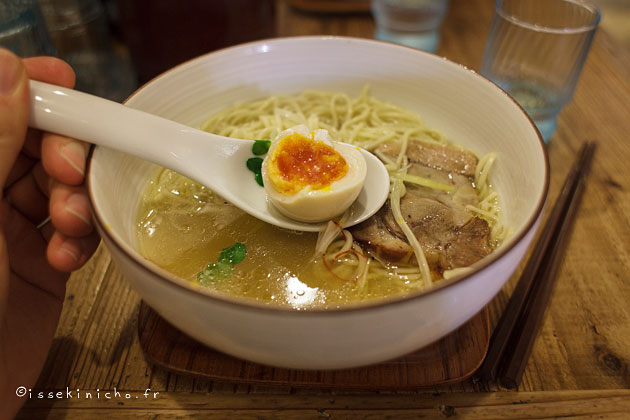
point(516, 331)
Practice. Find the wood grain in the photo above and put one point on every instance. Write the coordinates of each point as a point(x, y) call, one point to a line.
point(580, 364)
point(504, 405)
point(451, 359)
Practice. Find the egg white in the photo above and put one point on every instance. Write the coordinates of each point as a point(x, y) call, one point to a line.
point(310, 205)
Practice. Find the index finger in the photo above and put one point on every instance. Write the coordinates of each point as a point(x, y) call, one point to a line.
point(62, 157)
point(50, 70)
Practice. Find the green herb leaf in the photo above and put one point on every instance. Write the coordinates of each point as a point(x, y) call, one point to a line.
point(259, 179)
point(254, 164)
point(261, 147)
point(215, 273)
point(233, 254)
point(224, 267)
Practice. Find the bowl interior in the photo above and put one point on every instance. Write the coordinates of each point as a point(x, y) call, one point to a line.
point(467, 108)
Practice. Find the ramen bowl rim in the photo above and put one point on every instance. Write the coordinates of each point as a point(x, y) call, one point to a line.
point(477, 268)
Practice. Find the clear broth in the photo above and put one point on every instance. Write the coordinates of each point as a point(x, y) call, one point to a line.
point(183, 227)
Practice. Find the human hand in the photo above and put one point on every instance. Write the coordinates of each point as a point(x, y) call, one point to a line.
point(41, 174)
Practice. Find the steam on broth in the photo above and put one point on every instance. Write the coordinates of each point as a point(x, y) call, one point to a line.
point(442, 215)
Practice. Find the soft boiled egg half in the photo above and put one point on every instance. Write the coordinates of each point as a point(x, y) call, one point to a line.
point(309, 177)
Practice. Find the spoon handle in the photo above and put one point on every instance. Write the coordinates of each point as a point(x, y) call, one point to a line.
point(106, 123)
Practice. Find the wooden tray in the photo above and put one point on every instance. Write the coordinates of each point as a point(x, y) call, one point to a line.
point(452, 359)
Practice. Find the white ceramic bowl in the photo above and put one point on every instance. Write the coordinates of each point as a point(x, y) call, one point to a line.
point(466, 107)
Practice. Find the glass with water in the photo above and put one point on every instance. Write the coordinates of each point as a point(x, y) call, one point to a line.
point(535, 52)
point(414, 23)
point(23, 29)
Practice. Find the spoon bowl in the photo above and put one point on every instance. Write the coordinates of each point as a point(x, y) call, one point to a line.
point(214, 161)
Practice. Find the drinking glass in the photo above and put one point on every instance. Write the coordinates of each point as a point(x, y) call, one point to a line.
point(414, 23)
point(23, 28)
point(81, 32)
point(535, 52)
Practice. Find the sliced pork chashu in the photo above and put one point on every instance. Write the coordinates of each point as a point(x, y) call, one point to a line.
point(437, 156)
point(450, 235)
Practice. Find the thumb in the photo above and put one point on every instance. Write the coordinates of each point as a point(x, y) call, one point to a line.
point(14, 111)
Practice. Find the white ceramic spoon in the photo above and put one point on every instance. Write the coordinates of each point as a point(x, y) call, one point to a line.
point(214, 161)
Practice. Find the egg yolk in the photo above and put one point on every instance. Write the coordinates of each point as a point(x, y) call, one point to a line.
point(298, 161)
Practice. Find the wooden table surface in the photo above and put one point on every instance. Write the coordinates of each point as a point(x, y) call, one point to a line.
point(580, 365)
